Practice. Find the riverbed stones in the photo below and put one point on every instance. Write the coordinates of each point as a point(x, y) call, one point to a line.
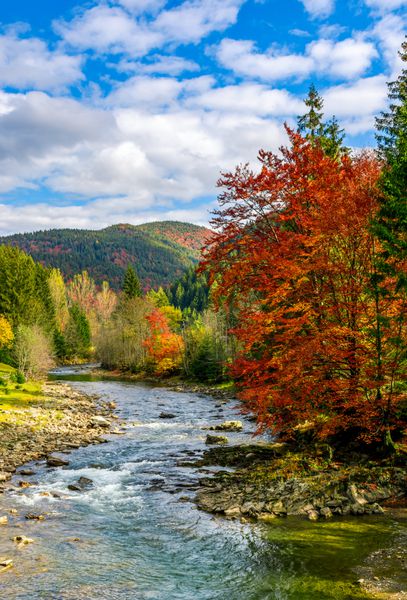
point(5, 562)
point(227, 426)
point(99, 421)
point(83, 484)
point(265, 484)
point(4, 520)
point(216, 440)
point(22, 540)
point(166, 415)
point(57, 461)
point(33, 517)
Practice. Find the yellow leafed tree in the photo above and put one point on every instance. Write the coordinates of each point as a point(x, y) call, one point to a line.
point(6, 332)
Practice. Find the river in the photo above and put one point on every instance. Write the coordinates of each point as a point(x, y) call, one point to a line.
point(136, 535)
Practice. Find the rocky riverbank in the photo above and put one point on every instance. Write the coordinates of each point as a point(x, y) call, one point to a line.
point(57, 419)
point(272, 480)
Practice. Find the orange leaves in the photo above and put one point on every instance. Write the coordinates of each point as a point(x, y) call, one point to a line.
point(295, 257)
point(164, 347)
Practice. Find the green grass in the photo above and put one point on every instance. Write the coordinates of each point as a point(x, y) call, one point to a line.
point(6, 369)
point(17, 398)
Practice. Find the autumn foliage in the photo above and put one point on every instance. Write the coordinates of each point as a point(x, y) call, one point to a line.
point(164, 347)
point(6, 332)
point(321, 334)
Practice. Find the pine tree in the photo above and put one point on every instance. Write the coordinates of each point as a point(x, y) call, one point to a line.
point(312, 126)
point(78, 335)
point(391, 224)
point(131, 283)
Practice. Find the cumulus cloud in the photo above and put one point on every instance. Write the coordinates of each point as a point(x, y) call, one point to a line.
point(357, 101)
point(111, 29)
point(385, 5)
point(166, 156)
point(107, 29)
point(195, 19)
point(319, 8)
point(390, 32)
point(27, 63)
point(248, 98)
point(346, 59)
point(242, 57)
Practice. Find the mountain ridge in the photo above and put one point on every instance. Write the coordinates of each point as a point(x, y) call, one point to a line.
point(161, 251)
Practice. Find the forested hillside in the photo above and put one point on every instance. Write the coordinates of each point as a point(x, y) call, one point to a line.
point(161, 252)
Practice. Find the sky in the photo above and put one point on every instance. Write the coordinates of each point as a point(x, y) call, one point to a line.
point(127, 111)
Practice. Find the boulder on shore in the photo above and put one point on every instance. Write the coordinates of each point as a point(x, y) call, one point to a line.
point(99, 421)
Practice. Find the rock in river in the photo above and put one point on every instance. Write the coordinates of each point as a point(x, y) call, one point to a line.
point(228, 426)
point(166, 415)
point(56, 461)
point(216, 439)
point(83, 484)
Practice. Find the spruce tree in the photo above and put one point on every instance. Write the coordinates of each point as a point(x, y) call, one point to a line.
point(312, 126)
point(391, 223)
point(131, 283)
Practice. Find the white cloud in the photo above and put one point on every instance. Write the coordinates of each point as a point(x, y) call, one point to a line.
point(390, 32)
point(111, 29)
point(107, 29)
point(366, 97)
point(28, 63)
point(242, 57)
point(346, 59)
point(130, 159)
point(151, 92)
point(385, 5)
point(248, 98)
point(319, 8)
point(195, 19)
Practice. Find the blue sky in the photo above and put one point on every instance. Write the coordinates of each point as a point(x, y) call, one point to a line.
point(127, 110)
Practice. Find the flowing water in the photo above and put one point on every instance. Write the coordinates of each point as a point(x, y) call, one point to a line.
point(135, 535)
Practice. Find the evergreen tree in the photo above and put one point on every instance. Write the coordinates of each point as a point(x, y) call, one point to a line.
point(78, 335)
point(312, 126)
point(131, 283)
point(159, 298)
point(391, 224)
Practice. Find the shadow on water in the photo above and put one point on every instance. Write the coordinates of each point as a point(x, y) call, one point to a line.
point(136, 535)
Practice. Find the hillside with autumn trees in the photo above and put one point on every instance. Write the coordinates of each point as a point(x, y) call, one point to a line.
point(161, 251)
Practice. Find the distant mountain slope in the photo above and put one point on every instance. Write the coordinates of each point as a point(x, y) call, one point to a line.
point(161, 252)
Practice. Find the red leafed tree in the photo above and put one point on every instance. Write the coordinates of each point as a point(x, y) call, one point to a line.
point(164, 347)
point(294, 257)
